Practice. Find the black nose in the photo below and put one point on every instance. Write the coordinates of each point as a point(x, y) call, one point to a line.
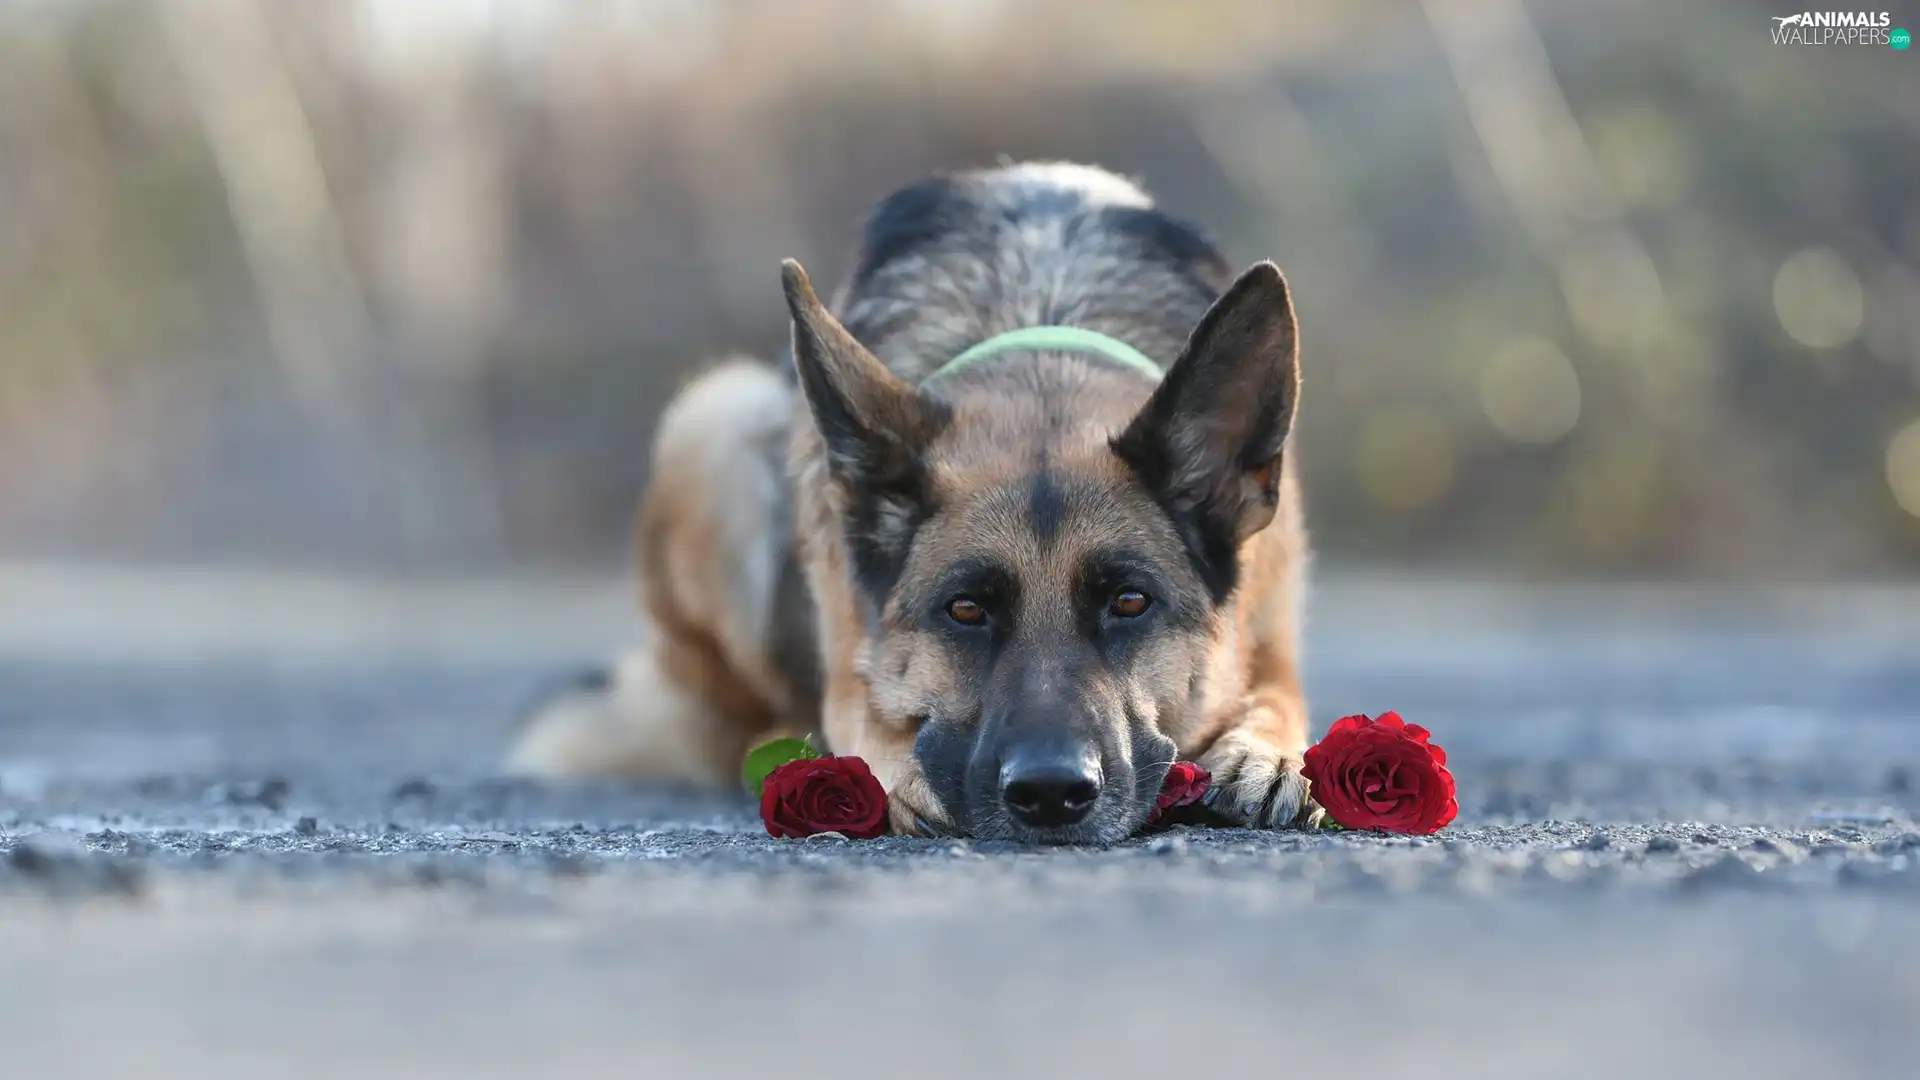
point(1050, 792)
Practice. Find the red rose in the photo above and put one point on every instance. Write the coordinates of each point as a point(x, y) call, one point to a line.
point(1186, 782)
point(823, 794)
point(1381, 774)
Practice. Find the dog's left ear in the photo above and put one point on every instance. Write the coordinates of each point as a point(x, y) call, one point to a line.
point(1209, 440)
point(872, 422)
point(875, 429)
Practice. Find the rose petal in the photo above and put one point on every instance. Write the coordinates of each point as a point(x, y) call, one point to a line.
point(1347, 723)
point(814, 795)
point(1197, 789)
point(1185, 784)
point(1381, 774)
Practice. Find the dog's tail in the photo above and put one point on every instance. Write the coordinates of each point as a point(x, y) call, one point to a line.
point(623, 719)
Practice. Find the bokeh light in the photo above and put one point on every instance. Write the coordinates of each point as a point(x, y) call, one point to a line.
point(1611, 494)
point(1903, 467)
point(1404, 457)
point(1530, 392)
point(1818, 298)
point(1892, 331)
point(1644, 157)
point(1613, 291)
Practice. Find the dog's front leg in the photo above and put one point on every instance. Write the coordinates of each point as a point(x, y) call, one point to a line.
point(912, 808)
point(1256, 763)
point(851, 730)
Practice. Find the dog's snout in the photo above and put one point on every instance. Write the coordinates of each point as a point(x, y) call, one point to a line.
point(1050, 791)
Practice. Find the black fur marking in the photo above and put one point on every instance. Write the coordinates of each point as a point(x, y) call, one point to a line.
point(1038, 202)
point(1047, 503)
point(791, 646)
point(1103, 575)
point(1211, 553)
point(879, 558)
point(986, 582)
point(913, 218)
point(943, 748)
point(989, 585)
point(1207, 539)
point(1171, 239)
point(956, 212)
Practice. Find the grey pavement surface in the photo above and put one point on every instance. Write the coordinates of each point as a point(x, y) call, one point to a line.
point(249, 828)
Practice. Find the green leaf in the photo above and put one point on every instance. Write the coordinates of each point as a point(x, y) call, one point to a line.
point(1327, 824)
point(768, 756)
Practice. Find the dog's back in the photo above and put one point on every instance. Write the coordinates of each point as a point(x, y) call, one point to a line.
point(951, 261)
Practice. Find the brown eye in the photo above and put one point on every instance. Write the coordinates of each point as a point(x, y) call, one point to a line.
point(966, 612)
point(1130, 604)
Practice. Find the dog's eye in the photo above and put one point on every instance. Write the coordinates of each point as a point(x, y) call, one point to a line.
point(966, 611)
point(1130, 604)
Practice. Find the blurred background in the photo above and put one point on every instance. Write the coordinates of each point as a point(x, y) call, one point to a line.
point(399, 287)
point(333, 335)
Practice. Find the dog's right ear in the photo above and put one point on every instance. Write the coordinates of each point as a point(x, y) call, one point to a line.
point(873, 423)
point(1209, 440)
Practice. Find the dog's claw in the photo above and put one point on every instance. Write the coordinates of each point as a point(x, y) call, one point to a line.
point(1257, 788)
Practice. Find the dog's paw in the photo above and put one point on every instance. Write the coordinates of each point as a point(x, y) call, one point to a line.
point(1257, 785)
point(912, 810)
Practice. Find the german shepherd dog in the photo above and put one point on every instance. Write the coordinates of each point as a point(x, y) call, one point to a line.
point(1020, 588)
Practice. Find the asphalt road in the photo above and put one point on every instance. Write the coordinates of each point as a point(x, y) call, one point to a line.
point(248, 828)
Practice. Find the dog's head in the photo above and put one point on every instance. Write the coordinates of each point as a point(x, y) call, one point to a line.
point(1045, 581)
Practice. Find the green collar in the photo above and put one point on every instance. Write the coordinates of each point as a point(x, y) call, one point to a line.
point(1054, 338)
